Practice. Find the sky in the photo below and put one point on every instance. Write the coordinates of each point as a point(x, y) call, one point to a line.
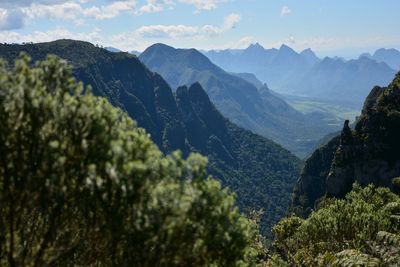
point(343, 28)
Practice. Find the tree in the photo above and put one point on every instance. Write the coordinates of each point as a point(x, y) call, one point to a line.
point(81, 185)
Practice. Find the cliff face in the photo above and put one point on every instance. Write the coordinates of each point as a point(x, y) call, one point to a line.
point(369, 154)
point(311, 185)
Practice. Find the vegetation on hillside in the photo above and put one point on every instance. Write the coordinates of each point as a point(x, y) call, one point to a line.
point(82, 185)
point(361, 230)
point(260, 172)
point(257, 109)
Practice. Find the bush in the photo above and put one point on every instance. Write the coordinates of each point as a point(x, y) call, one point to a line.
point(344, 231)
point(81, 185)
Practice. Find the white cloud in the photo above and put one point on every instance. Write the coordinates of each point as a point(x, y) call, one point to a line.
point(66, 11)
point(11, 19)
point(244, 42)
point(167, 31)
point(25, 3)
point(285, 11)
point(51, 35)
point(153, 6)
point(231, 20)
point(203, 4)
point(229, 23)
point(111, 10)
point(14, 18)
point(14, 13)
point(180, 31)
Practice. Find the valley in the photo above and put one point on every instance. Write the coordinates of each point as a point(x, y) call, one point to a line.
point(204, 133)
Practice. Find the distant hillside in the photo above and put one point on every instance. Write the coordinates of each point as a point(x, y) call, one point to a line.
point(369, 154)
point(112, 49)
point(237, 98)
point(261, 172)
point(389, 56)
point(304, 74)
point(249, 77)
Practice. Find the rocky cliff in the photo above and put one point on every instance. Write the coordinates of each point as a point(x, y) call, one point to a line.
point(369, 154)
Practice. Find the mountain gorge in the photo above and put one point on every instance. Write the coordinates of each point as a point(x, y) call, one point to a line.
point(259, 171)
point(237, 97)
point(304, 74)
point(369, 154)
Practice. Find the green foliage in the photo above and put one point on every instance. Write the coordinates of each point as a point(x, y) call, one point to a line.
point(260, 172)
point(81, 185)
point(360, 230)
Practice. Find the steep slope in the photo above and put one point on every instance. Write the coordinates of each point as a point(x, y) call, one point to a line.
point(249, 77)
point(261, 172)
point(258, 110)
point(304, 74)
point(367, 155)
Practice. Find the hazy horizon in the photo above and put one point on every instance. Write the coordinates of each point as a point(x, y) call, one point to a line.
point(340, 28)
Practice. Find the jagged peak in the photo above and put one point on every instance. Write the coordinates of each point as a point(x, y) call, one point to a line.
point(308, 51)
point(367, 55)
point(285, 47)
point(197, 94)
point(256, 46)
point(197, 90)
point(383, 50)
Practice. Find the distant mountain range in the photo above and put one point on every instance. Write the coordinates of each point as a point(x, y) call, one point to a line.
point(116, 50)
point(259, 171)
point(304, 74)
point(389, 56)
point(239, 97)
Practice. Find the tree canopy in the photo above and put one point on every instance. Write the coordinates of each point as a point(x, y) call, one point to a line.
point(81, 185)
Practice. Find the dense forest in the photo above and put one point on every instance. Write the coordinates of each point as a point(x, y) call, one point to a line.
point(82, 185)
point(259, 171)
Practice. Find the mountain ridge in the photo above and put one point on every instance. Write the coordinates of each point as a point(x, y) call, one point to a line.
point(186, 120)
point(304, 74)
point(236, 98)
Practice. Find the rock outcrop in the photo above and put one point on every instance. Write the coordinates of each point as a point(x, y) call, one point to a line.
point(369, 154)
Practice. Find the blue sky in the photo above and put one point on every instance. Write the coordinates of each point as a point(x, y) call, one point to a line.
point(330, 27)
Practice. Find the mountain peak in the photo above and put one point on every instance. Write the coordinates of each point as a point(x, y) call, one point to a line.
point(367, 55)
point(255, 46)
point(309, 55)
point(285, 47)
point(307, 51)
point(160, 46)
point(197, 91)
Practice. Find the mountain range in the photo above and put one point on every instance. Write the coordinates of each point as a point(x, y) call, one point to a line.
point(304, 74)
point(259, 171)
point(369, 154)
point(389, 56)
point(239, 97)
